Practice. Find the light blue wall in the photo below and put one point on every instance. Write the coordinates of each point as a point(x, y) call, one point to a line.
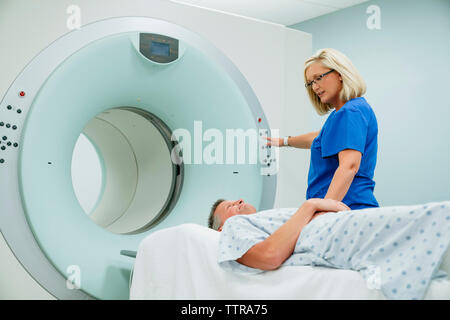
point(406, 65)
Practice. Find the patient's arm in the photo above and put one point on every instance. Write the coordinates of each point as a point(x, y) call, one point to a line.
point(273, 251)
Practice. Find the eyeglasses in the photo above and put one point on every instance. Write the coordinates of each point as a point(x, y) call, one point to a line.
point(316, 80)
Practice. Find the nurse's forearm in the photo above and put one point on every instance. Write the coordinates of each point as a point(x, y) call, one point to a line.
point(342, 179)
point(303, 141)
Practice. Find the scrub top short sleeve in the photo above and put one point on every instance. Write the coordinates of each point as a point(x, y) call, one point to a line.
point(346, 130)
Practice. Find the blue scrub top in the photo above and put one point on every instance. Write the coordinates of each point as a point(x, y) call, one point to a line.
point(355, 127)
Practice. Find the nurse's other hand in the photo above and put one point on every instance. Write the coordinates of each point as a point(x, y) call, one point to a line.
point(328, 205)
point(275, 142)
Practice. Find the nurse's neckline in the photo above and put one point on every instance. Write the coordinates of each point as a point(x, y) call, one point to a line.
point(337, 110)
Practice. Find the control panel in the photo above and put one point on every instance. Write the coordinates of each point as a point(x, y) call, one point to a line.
point(267, 155)
point(10, 117)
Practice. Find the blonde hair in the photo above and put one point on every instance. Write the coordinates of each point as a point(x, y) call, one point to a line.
point(353, 84)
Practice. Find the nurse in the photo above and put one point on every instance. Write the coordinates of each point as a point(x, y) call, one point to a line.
point(344, 151)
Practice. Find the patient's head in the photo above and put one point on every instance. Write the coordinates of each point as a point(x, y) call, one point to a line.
point(223, 209)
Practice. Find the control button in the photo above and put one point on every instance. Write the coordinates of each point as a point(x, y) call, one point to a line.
point(19, 111)
point(3, 148)
point(15, 144)
point(9, 143)
point(9, 107)
point(2, 124)
point(8, 125)
point(2, 160)
point(4, 137)
point(14, 127)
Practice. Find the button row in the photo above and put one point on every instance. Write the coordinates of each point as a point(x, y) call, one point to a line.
point(9, 143)
point(14, 127)
point(9, 107)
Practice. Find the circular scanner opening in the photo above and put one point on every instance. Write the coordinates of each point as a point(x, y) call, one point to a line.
point(122, 173)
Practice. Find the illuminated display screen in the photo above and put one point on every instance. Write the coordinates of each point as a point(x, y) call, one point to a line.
point(160, 49)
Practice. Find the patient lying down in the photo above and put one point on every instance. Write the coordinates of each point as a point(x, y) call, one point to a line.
point(270, 253)
point(403, 246)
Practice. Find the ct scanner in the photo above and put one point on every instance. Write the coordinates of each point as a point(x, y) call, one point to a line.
point(87, 149)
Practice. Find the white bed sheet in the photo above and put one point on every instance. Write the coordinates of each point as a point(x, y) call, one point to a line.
point(181, 263)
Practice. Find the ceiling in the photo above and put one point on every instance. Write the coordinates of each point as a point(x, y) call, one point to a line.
point(284, 12)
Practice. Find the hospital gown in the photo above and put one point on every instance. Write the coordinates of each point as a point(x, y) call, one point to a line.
point(396, 249)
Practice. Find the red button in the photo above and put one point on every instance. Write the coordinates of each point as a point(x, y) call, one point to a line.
point(22, 93)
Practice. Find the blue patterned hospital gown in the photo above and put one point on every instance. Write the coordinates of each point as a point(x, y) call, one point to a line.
point(396, 249)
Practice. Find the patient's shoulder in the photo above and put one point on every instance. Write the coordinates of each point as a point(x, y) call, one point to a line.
point(269, 215)
point(277, 211)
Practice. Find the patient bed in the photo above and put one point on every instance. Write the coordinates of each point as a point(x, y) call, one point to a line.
point(181, 263)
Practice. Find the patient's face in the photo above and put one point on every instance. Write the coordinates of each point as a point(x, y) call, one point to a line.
point(229, 208)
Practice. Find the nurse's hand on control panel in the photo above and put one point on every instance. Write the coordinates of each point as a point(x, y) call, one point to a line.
point(303, 141)
point(276, 142)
